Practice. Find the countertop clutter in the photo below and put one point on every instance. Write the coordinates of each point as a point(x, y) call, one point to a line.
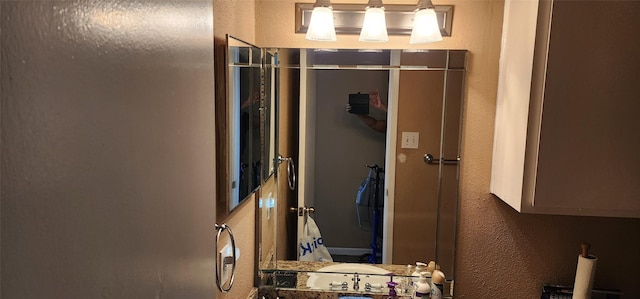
point(303, 267)
point(314, 294)
point(291, 279)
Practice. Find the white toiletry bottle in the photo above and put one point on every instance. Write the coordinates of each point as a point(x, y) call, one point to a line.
point(423, 289)
point(420, 266)
point(437, 284)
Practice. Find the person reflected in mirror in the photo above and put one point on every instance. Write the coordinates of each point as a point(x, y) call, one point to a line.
point(378, 125)
point(253, 99)
point(249, 122)
point(249, 115)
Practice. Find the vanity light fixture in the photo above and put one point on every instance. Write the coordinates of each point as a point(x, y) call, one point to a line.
point(349, 18)
point(374, 26)
point(425, 24)
point(321, 26)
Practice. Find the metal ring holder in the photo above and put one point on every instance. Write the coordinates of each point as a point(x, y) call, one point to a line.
point(291, 171)
point(219, 229)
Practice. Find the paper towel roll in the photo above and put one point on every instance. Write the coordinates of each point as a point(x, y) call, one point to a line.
point(585, 274)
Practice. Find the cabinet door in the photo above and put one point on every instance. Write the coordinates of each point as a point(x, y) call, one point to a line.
point(567, 138)
point(588, 161)
point(512, 107)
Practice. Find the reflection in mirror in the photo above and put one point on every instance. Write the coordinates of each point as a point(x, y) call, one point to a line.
point(423, 92)
point(243, 132)
point(269, 124)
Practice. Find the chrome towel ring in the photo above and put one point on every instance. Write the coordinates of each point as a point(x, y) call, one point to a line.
point(291, 171)
point(220, 264)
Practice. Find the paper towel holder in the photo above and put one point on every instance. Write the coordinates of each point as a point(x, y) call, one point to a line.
point(585, 250)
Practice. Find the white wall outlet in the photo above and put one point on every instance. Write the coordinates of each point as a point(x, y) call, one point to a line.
point(270, 204)
point(410, 139)
point(226, 259)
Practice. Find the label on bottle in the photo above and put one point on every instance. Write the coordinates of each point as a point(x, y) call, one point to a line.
point(436, 291)
point(422, 290)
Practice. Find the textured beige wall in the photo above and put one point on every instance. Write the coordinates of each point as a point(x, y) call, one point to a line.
point(267, 229)
point(243, 224)
point(236, 18)
point(501, 254)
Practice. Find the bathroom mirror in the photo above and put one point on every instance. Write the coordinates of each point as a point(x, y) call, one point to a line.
point(242, 105)
point(418, 154)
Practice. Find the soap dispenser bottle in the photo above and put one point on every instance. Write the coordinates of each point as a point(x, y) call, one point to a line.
point(423, 289)
point(392, 289)
point(420, 266)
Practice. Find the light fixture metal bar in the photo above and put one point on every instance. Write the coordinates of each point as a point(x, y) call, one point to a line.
point(348, 18)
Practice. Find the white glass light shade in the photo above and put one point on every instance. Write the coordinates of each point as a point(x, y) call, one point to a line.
point(321, 26)
point(425, 27)
point(374, 27)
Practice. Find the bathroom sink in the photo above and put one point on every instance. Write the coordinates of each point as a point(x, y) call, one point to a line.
point(336, 275)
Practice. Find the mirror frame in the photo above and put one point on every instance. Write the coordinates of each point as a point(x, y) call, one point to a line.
point(227, 127)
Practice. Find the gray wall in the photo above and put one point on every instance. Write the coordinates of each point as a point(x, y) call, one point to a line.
point(107, 153)
point(344, 145)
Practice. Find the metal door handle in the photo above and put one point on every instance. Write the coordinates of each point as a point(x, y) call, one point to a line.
point(302, 210)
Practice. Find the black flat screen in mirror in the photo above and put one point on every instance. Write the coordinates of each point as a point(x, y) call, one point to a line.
point(359, 103)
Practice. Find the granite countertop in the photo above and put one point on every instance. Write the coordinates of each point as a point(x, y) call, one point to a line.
point(253, 294)
point(315, 294)
point(397, 270)
point(301, 268)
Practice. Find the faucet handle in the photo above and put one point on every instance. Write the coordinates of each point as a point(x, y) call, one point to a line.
point(372, 286)
point(342, 285)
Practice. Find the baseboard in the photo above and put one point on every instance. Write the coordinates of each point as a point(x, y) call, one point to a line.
point(348, 251)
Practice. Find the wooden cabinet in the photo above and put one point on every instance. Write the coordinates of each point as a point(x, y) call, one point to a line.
point(567, 135)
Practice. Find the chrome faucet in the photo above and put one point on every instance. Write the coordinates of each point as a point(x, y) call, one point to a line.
point(356, 281)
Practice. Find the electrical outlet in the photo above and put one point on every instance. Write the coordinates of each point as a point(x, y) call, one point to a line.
point(410, 139)
point(226, 259)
